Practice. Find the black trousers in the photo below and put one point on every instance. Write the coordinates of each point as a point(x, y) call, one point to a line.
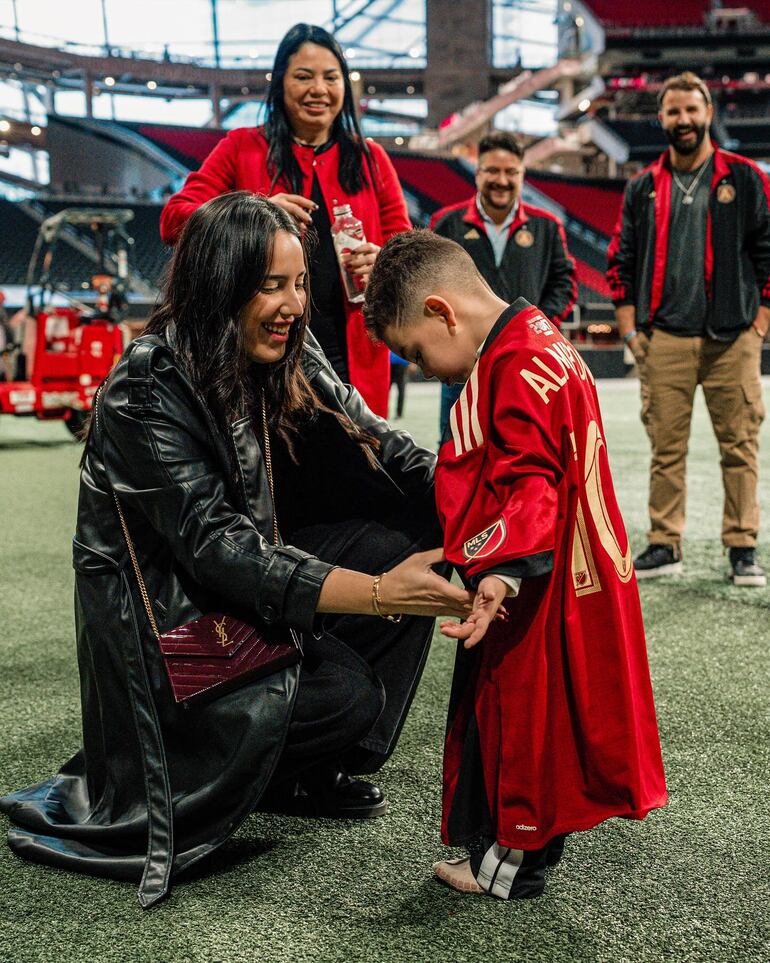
point(360, 673)
point(398, 378)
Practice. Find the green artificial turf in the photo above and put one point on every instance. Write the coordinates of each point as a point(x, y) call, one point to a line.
point(689, 883)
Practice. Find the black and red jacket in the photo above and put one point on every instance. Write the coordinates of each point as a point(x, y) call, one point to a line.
point(539, 270)
point(736, 269)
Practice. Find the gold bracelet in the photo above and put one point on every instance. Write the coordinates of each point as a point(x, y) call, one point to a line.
point(377, 602)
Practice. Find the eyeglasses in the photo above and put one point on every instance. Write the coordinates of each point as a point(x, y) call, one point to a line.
point(509, 172)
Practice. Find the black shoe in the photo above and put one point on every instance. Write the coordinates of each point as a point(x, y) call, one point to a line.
point(746, 570)
point(330, 794)
point(555, 849)
point(658, 560)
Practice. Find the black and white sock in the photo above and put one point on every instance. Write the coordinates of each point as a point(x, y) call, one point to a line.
point(508, 873)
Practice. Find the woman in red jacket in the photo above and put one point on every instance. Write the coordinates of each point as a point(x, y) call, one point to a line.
point(309, 156)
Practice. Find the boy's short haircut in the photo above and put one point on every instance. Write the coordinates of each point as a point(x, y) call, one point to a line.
point(409, 267)
point(501, 140)
point(684, 81)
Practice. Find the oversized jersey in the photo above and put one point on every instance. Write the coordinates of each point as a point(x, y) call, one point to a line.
point(552, 723)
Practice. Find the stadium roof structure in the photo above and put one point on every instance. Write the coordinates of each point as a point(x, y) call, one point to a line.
point(220, 52)
point(219, 33)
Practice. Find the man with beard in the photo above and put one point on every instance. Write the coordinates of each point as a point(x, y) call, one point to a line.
point(689, 269)
point(520, 250)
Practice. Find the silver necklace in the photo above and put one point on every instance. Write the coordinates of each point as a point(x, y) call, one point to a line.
point(688, 192)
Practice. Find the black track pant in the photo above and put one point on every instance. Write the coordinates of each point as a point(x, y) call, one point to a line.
point(398, 378)
point(359, 677)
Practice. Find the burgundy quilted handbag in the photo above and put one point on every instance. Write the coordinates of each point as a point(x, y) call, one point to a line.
point(217, 653)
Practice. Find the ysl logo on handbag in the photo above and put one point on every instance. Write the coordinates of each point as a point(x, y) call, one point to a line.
point(219, 628)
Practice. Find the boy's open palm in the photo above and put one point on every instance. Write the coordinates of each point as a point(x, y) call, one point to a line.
point(489, 597)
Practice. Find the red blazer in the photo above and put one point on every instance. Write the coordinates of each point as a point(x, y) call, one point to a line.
point(239, 162)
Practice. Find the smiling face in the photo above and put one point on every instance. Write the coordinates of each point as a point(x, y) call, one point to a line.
point(499, 179)
point(279, 303)
point(313, 92)
point(685, 117)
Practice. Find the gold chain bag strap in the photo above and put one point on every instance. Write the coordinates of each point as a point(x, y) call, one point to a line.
point(217, 653)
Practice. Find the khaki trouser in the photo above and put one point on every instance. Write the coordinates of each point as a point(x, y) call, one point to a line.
point(669, 373)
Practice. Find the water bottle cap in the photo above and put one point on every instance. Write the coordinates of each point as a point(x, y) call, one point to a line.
point(341, 209)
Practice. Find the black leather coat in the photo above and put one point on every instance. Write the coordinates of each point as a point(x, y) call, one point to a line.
point(157, 786)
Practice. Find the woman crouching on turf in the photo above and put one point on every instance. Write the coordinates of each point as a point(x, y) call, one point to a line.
point(226, 376)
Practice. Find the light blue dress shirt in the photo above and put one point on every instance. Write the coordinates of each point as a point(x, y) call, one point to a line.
point(498, 236)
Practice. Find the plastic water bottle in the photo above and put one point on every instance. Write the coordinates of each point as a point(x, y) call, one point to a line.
point(348, 234)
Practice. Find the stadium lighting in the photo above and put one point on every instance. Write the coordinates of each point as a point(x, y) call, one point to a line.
point(567, 6)
point(399, 141)
point(109, 81)
point(35, 131)
point(371, 89)
point(4, 126)
point(414, 52)
point(579, 21)
point(151, 85)
point(410, 89)
point(351, 52)
point(269, 75)
point(584, 104)
point(355, 75)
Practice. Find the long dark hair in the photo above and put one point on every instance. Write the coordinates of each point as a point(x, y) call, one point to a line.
point(220, 262)
point(345, 129)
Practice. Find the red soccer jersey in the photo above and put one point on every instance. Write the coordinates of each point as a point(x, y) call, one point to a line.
point(552, 722)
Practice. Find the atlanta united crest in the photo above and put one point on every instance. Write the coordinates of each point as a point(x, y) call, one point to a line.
point(725, 193)
point(524, 238)
point(486, 542)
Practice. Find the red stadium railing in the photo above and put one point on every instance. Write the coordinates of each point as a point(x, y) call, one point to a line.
point(190, 145)
point(589, 277)
point(438, 181)
point(596, 205)
point(665, 13)
point(650, 13)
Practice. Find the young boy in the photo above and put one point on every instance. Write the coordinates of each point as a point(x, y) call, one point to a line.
point(552, 723)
